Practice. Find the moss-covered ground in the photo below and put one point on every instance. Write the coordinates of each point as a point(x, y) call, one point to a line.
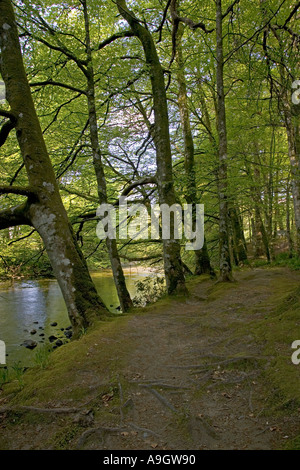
point(210, 371)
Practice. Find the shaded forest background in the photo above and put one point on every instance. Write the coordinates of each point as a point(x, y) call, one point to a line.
point(258, 173)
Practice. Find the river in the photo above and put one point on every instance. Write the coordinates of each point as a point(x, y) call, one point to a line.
point(38, 305)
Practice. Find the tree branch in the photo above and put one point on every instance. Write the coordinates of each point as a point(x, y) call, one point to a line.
point(14, 216)
point(7, 127)
point(230, 9)
point(60, 84)
point(81, 63)
point(20, 191)
point(106, 42)
point(141, 182)
point(22, 238)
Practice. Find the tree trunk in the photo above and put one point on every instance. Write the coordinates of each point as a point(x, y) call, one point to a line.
point(202, 265)
point(288, 221)
point(44, 209)
point(292, 129)
point(171, 248)
point(225, 262)
point(238, 236)
point(111, 244)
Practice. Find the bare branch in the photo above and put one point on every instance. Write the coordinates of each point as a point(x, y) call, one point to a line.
point(135, 184)
point(22, 238)
point(230, 9)
point(60, 84)
point(114, 37)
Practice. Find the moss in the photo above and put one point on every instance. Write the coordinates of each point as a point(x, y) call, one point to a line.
point(91, 367)
point(64, 378)
point(277, 331)
point(64, 437)
point(292, 444)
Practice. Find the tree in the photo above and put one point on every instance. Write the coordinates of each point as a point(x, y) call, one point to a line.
point(171, 248)
point(225, 261)
point(202, 260)
point(123, 294)
point(43, 208)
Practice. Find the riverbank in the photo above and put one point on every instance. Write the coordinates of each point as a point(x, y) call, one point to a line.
point(212, 371)
point(33, 312)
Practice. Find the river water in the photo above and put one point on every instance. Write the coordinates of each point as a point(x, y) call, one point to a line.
point(36, 305)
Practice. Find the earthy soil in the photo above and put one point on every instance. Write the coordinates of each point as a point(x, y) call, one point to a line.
point(186, 374)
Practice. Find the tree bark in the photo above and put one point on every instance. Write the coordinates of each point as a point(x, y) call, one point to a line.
point(225, 262)
point(171, 248)
point(45, 212)
point(291, 116)
point(202, 260)
point(238, 236)
point(111, 244)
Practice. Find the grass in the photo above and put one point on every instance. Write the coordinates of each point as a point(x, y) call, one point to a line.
point(281, 260)
point(43, 356)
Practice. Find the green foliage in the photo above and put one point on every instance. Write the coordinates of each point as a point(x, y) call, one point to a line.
point(258, 164)
point(283, 259)
point(24, 259)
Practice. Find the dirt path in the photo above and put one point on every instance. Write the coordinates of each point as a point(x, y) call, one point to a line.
point(194, 377)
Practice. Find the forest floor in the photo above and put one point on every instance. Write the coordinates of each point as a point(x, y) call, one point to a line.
point(212, 371)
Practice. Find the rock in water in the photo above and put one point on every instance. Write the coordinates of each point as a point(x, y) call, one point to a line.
point(29, 344)
point(68, 334)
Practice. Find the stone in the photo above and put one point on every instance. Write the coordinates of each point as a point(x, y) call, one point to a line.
point(68, 334)
point(29, 344)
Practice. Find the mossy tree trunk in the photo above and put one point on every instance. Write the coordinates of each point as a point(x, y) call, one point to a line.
point(202, 260)
point(288, 219)
point(111, 244)
point(171, 248)
point(292, 124)
point(238, 236)
point(44, 209)
point(225, 261)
